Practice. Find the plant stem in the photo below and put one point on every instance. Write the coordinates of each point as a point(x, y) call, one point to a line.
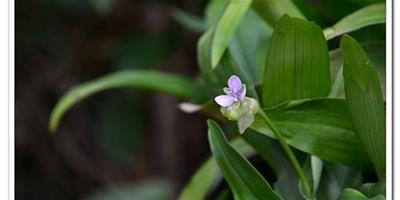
point(292, 158)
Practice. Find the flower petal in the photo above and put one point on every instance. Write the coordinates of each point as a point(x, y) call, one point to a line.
point(234, 83)
point(242, 93)
point(224, 100)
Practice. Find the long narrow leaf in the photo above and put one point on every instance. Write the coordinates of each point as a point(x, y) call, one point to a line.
point(151, 80)
point(297, 63)
point(287, 184)
point(365, 101)
point(187, 20)
point(226, 28)
point(375, 51)
point(369, 15)
point(244, 180)
point(207, 174)
point(320, 127)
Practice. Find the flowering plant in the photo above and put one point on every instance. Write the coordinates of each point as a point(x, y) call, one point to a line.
point(314, 114)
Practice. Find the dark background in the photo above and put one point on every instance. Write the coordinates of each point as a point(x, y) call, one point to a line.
point(115, 139)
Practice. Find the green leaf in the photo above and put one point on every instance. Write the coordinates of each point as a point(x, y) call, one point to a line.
point(150, 80)
point(187, 20)
point(204, 57)
point(244, 57)
point(287, 184)
point(243, 179)
point(297, 64)
point(214, 10)
point(365, 101)
point(335, 178)
point(374, 189)
point(376, 52)
point(208, 173)
point(367, 16)
point(226, 28)
point(248, 48)
point(351, 194)
point(320, 127)
point(313, 170)
point(272, 10)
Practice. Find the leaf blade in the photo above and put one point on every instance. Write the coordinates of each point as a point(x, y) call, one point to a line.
point(243, 179)
point(226, 28)
point(208, 173)
point(144, 79)
point(297, 64)
point(319, 127)
point(365, 101)
point(367, 16)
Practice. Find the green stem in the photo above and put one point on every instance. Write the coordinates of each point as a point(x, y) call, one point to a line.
point(292, 158)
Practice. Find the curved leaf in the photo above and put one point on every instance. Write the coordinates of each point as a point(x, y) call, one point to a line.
point(320, 127)
point(365, 102)
point(351, 194)
point(297, 64)
point(226, 28)
point(369, 15)
point(287, 184)
point(187, 20)
point(208, 173)
point(244, 180)
point(152, 80)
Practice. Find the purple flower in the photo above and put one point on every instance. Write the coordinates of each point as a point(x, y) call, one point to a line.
point(235, 92)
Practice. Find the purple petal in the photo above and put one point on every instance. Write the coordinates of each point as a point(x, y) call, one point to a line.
point(224, 100)
point(234, 83)
point(242, 93)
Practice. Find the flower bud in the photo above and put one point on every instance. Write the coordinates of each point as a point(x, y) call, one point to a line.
point(242, 111)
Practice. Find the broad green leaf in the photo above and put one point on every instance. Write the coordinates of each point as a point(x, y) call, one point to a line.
point(297, 64)
point(365, 101)
point(287, 184)
point(187, 20)
point(226, 28)
point(209, 173)
point(320, 127)
point(244, 180)
point(150, 80)
point(272, 10)
point(369, 15)
point(376, 52)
